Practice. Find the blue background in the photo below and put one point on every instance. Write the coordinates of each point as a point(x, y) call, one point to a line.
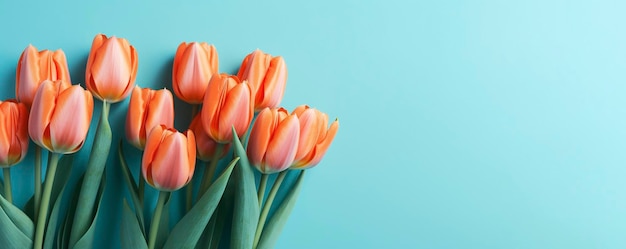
point(464, 124)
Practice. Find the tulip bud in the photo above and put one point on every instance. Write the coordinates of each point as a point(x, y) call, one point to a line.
point(111, 68)
point(147, 109)
point(227, 103)
point(273, 140)
point(315, 137)
point(267, 76)
point(60, 116)
point(13, 132)
point(194, 64)
point(35, 67)
point(205, 145)
point(169, 158)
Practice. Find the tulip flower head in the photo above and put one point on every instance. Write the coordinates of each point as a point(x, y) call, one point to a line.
point(227, 103)
point(268, 77)
point(194, 65)
point(205, 145)
point(147, 109)
point(273, 140)
point(111, 68)
point(60, 116)
point(169, 158)
point(36, 66)
point(13, 132)
point(315, 136)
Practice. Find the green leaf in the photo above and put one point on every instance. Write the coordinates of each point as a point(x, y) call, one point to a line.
point(17, 218)
point(189, 229)
point(86, 241)
point(11, 236)
point(89, 191)
point(275, 225)
point(132, 188)
point(1, 186)
point(64, 170)
point(131, 234)
point(63, 237)
point(246, 208)
point(224, 213)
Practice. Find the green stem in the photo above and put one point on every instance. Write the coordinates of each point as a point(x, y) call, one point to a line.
point(156, 218)
point(7, 184)
point(37, 195)
point(53, 160)
point(268, 205)
point(262, 187)
point(207, 178)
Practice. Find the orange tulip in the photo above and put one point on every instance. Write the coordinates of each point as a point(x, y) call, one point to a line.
point(147, 109)
point(273, 140)
point(35, 67)
point(227, 103)
point(13, 132)
point(111, 68)
point(194, 64)
point(315, 137)
point(60, 116)
point(205, 145)
point(169, 159)
point(267, 76)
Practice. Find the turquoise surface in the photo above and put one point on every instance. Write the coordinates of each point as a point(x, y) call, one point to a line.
point(464, 124)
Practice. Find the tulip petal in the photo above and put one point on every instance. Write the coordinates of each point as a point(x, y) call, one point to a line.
point(170, 169)
point(309, 130)
point(27, 75)
point(42, 109)
point(111, 69)
point(160, 110)
point(70, 121)
point(236, 111)
point(282, 148)
point(135, 134)
point(271, 91)
point(152, 144)
point(260, 136)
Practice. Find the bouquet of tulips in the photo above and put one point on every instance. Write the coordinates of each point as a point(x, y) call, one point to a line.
point(238, 134)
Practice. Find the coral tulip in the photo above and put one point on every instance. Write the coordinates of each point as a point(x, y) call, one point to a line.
point(227, 103)
point(194, 64)
point(273, 140)
point(315, 137)
point(169, 159)
point(205, 145)
point(268, 77)
point(60, 116)
point(111, 68)
point(13, 132)
point(147, 109)
point(35, 67)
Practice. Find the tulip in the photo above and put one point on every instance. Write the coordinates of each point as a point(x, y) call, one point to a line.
point(169, 158)
point(111, 68)
point(227, 103)
point(315, 137)
point(273, 140)
point(34, 67)
point(194, 64)
point(147, 109)
point(13, 132)
point(60, 116)
point(205, 145)
point(267, 76)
